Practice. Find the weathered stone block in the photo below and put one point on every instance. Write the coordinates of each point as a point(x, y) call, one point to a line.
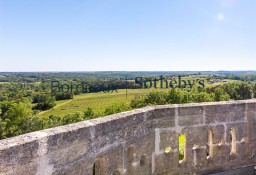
point(83, 166)
point(191, 110)
point(241, 131)
point(243, 153)
point(224, 108)
point(220, 155)
point(169, 139)
point(251, 106)
point(18, 154)
point(119, 121)
point(70, 153)
point(190, 120)
point(224, 117)
point(218, 133)
point(200, 160)
point(64, 136)
point(251, 114)
point(167, 163)
point(252, 137)
point(28, 169)
point(196, 135)
point(161, 117)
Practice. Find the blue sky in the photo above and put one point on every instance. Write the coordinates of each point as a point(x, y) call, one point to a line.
point(129, 35)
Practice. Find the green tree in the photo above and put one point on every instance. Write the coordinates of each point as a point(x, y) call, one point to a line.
point(238, 90)
point(72, 118)
point(254, 90)
point(203, 97)
point(52, 121)
point(117, 108)
point(176, 96)
point(137, 101)
point(44, 102)
point(220, 95)
point(154, 98)
point(30, 124)
point(89, 114)
point(17, 113)
point(4, 107)
point(245, 90)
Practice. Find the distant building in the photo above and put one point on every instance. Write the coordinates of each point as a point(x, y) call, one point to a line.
point(214, 81)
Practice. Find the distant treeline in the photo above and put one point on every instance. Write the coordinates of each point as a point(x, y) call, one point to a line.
point(30, 77)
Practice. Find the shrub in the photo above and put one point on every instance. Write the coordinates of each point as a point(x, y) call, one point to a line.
point(117, 108)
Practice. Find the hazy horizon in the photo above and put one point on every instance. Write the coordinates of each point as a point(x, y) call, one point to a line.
point(128, 71)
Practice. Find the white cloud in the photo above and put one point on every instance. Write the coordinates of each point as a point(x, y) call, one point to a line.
point(220, 16)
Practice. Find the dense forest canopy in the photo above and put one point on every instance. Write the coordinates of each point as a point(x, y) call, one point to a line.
point(116, 75)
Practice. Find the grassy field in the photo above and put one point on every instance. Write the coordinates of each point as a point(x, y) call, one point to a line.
point(100, 101)
point(97, 101)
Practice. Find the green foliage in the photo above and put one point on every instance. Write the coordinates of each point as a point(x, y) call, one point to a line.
point(30, 124)
point(52, 121)
point(14, 118)
point(44, 102)
point(231, 90)
point(181, 146)
point(220, 95)
point(173, 96)
point(203, 97)
point(63, 96)
point(154, 98)
point(4, 107)
point(176, 96)
point(137, 101)
point(89, 114)
point(238, 90)
point(2, 129)
point(117, 108)
point(254, 90)
point(17, 116)
point(97, 101)
point(72, 118)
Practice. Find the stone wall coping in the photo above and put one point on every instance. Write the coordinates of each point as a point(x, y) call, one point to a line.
point(39, 135)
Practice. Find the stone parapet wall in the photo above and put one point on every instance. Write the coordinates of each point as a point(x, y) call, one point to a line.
point(219, 136)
